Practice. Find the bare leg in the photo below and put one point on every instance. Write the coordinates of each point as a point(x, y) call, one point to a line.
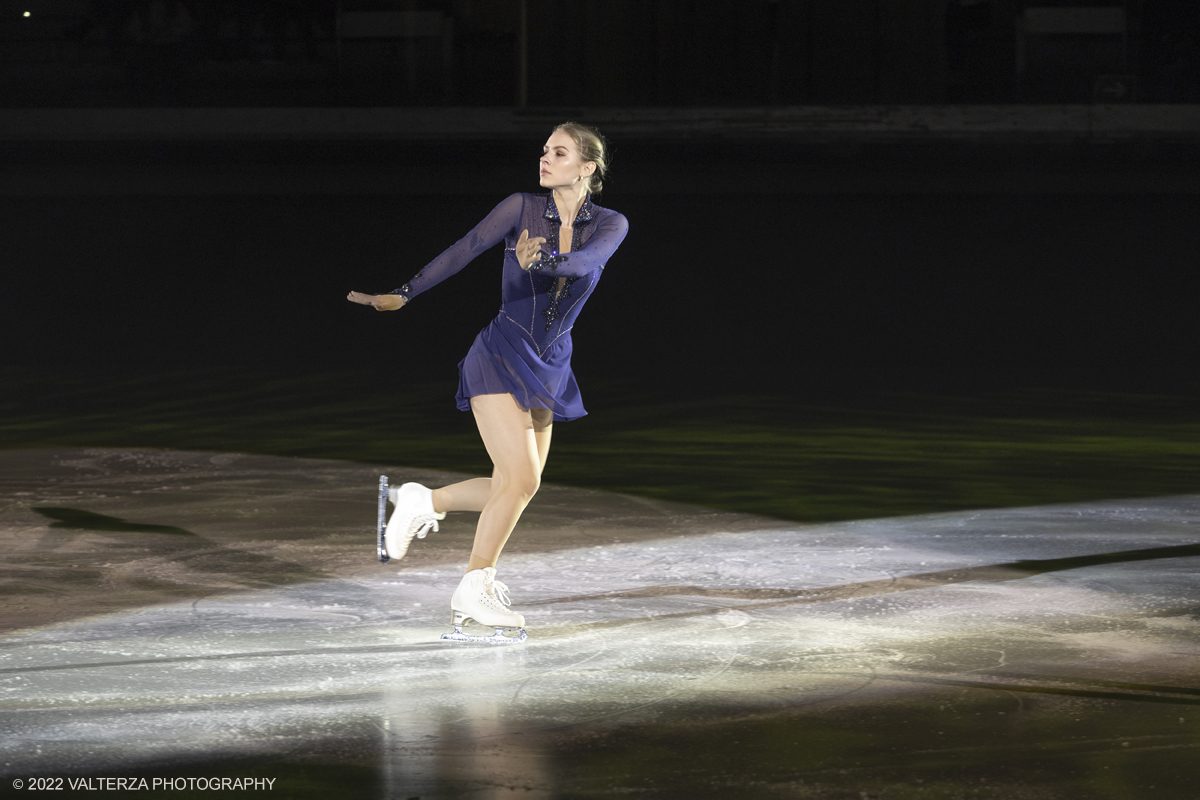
point(543, 427)
point(473, 494)
point(518, 442)
point(469, 495)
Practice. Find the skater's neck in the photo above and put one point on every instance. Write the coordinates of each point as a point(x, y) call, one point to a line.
point(569, 200)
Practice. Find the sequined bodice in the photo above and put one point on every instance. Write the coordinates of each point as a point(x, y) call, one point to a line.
point(533, 300)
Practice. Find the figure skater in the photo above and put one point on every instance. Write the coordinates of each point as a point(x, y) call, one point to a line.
point(516, 379)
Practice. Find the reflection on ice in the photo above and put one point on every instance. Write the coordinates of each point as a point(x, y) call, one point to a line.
point(621, 635)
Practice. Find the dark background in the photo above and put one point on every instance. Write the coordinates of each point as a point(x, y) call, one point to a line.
point(762, 258)
point(586, 53)
point(725, 289)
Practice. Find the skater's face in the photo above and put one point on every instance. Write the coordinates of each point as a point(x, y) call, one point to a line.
point(561, 165)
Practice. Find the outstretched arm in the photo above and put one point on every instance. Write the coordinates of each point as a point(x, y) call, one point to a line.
point(592, 256)
point(492, 229)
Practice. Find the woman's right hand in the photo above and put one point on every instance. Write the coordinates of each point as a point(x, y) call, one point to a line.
point(380, 302)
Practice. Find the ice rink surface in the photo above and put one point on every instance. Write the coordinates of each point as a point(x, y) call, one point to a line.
point(189, 613)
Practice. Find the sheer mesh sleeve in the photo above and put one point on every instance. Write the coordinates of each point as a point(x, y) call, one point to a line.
point(494, 227)
point(593, 255)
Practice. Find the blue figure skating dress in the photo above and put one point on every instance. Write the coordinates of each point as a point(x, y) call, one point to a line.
point(526, 349)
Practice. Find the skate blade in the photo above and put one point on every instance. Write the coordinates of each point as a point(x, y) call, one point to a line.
point(499, 637)
point(381, 522)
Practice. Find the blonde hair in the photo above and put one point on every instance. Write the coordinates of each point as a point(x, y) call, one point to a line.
point(592, 147)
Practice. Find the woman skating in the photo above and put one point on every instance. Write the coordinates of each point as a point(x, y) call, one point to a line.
point(516, 379)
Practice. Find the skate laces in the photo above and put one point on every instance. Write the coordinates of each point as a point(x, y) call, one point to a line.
point(498, 590)
point(422, 524)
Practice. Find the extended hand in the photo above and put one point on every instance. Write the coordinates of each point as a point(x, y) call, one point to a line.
point(380, 302)
point(529, 250)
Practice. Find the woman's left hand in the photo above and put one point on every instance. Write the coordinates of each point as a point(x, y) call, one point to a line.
point(529, 250)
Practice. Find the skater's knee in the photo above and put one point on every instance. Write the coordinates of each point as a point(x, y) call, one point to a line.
point(527, 486)
point(522, 485)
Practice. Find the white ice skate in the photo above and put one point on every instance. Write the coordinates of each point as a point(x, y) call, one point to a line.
point(483, 599)
point(413, 516)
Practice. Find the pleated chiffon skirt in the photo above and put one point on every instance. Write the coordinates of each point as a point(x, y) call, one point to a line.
point(502, 360)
